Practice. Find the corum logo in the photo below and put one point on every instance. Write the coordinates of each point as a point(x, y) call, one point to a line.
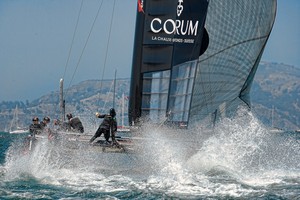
point(179, 7)
point(177, 26)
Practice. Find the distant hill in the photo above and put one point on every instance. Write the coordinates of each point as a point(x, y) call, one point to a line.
point(275, 96)
point(83, 100)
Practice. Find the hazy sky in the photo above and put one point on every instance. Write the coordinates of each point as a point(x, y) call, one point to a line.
point(36, 37)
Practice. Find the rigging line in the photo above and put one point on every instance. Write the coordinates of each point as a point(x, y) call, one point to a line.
point(86, 42)
point(75, 31)
point(106, 53)
point(73, 38)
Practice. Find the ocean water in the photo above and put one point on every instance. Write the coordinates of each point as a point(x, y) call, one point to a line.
point(240, 159)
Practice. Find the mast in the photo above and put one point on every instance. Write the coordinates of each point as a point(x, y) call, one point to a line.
point(61, 100)
point(272, 119)
point(14, 121)
point(123, 105)
point(114, 94)
point(17, 117)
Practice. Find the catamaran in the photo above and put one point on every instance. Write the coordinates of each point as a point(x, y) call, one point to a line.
point(195, 60)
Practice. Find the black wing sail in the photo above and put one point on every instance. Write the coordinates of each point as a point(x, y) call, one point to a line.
point(196, 59)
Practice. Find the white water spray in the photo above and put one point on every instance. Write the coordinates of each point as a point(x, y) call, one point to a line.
point(242, 145)
point(239, 151)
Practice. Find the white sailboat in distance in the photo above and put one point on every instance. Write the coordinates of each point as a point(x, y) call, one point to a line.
point(14, 125)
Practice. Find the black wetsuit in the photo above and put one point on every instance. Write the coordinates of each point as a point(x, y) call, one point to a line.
point(43, 124)
point(108, 123)
point(76, 124)
point(35, 129)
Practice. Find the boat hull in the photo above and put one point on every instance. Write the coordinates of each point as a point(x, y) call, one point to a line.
point(18, 131)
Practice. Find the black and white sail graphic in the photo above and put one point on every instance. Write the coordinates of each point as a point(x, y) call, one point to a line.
point(196, 59)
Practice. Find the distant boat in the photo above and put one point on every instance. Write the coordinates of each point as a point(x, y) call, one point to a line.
point(122, 127)
point(273, 128)
point(14, 125)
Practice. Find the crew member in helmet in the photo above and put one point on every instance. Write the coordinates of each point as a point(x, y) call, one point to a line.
point(46, 129)
point(35, 127)
point(75, 123)
point(109, 124)
point(45, 122)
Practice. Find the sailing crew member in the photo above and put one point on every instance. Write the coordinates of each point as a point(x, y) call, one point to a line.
point(35, 127)
point(109, 124)
point(45, 122)
point(75, 123)
point(46, 128)
point(61, 126)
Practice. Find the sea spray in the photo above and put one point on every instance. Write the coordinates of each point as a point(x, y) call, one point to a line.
point(163, 146)
point(165, 156)
point(240, 158)
point(239, 151)
point(243, 147)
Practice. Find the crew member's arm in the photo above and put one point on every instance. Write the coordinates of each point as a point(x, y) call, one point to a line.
point(98, 115)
